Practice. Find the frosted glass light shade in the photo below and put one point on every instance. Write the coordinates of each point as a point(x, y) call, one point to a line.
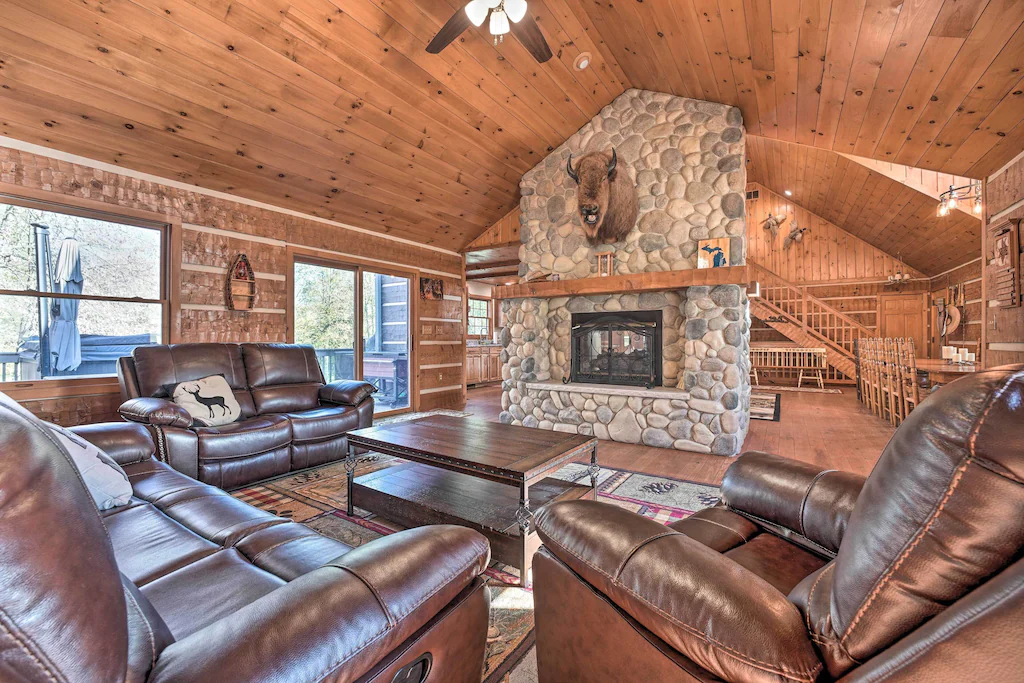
point(515, 9)
point(477, 11)
point(499, 23)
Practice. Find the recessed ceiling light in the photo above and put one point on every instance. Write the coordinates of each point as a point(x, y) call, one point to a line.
point(789, 193)
point(582, 61)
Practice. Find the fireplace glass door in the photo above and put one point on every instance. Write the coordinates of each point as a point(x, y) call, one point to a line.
point(617, 348)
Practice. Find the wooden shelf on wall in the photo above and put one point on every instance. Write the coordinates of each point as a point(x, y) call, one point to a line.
point(617, 284)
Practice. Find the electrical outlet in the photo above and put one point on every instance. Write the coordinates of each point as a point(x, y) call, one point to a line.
point(440, 376)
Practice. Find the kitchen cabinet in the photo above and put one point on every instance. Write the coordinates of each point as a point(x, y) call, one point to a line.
point(483, 364)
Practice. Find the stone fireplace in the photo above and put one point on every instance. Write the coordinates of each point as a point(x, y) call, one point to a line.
point(593, 364)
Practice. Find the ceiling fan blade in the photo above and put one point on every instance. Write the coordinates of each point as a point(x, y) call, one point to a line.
point(528, 33)
point(452, 29)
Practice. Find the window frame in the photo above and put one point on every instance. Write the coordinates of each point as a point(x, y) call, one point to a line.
point(315, 257)
point(170, 283)
point(489, 317)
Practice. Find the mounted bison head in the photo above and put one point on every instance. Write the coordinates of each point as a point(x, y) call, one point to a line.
point(606, 198)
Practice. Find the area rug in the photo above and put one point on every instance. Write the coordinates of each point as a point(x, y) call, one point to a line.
point(317, 498)
point(765, 406)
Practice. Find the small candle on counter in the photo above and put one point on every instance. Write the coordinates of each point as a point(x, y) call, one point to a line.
point(963, 353)
point(970, 358)
point(947, 352)
point(956, 358)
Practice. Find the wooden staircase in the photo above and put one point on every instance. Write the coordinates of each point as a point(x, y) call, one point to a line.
point(807, 320)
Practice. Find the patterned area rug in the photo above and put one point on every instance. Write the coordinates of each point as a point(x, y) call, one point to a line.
point(317, 499)
point(765, 406)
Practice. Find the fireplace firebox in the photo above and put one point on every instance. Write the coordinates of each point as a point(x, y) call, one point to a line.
point(617, 348)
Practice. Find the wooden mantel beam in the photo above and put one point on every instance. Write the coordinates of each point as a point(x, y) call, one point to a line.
point(617, 284)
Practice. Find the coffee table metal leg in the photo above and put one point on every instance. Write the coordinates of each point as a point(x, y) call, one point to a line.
point(524, 516)
point(350, 471)
point(593, 470)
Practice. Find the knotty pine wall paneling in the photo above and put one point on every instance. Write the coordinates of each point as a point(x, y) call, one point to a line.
point(213, 229)
point(968, 334)
point(827, 253)
point(1004, 327)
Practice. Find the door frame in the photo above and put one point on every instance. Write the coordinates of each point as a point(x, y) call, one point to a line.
point(358, 267)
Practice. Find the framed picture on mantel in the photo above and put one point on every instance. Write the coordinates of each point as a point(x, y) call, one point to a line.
point(713, 253)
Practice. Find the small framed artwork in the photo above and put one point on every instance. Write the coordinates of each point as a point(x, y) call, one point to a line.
point(713, 253)
point(431, 289)
point(1004, 264)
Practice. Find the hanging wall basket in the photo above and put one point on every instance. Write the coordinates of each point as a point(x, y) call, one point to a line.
point(241, 285)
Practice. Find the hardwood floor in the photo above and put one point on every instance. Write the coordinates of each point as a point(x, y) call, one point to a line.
point(833, 431)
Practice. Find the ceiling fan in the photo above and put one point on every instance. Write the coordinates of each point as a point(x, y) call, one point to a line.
point(506, 16)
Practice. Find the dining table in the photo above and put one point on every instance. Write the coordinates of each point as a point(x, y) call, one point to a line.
point(942, 371)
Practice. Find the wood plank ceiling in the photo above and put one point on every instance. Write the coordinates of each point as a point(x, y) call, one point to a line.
point(883, 212)
point(332, 107)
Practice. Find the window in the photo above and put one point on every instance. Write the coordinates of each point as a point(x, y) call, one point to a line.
point(78, 289)
point(479, 318)
point(327, 305)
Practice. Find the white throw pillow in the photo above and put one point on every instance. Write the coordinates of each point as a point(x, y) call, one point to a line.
point(104, 478)
point(209, 401)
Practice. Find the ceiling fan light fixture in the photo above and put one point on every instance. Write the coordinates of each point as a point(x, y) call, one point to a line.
point(515, 9)
point(499, 23)
point(477, 11)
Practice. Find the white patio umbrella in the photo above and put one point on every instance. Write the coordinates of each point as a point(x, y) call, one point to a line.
point(65, 339)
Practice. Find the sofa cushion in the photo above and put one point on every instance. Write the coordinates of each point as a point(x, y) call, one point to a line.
point(255, 435)
point(210, 589)
point(208, 400)
point(282, 377)
point(322, 423)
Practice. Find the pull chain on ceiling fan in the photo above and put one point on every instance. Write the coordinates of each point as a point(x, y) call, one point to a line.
point(506, 16)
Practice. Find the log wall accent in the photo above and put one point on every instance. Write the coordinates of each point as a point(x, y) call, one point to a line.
point(503, 233)
point(213, 231)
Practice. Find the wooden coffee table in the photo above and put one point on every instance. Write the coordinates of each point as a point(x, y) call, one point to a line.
point(487, 476)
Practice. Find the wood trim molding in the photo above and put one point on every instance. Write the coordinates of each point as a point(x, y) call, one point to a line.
point(638, 282)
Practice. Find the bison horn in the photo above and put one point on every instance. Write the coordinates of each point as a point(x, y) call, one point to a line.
point(612, 163)
point(572, 173)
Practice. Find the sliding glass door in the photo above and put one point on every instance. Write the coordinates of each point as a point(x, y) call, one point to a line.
point(386, 338)
point(331, 302)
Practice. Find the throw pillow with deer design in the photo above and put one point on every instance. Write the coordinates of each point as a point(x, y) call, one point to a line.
point(209, 401)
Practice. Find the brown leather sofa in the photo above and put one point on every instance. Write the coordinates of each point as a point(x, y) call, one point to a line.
point(290, 419)
point(187, 583)
point(914, 574)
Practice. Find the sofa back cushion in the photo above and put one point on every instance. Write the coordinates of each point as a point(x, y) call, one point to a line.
point(63, 605)
point(163, 366)
point(283, 378)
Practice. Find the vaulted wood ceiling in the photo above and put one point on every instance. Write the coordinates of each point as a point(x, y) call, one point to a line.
point(333, 107)
point(885, 213)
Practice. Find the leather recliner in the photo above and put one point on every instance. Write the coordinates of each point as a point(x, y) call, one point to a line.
point(187, 583)
point(802, 575)
point(290, 418)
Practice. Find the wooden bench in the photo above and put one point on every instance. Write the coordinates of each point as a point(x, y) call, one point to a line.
point(806, 363)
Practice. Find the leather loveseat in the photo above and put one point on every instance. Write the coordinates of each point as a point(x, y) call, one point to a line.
point(806, 576)
point(290, 418)
point(187, 583)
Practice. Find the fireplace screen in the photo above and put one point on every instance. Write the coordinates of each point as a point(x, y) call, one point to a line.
point(617, 348)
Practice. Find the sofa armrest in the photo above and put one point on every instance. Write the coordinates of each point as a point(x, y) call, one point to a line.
point(158, 412)
point(717, 613)
point(793, 499)
point(346, 392)
point(125, 442)
point(342, 617)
